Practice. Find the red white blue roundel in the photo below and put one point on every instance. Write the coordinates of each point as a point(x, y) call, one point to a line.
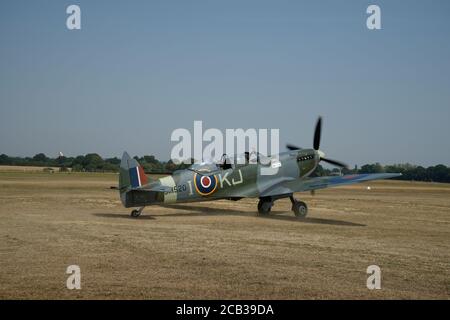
point(205, 185)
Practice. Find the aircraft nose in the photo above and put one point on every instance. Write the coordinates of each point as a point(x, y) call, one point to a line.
point(321, 153)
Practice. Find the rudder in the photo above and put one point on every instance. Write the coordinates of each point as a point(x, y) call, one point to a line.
point(131, 175)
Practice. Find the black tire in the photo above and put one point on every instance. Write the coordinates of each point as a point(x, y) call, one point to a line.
point(300, 209)
point(135, 213)
point(264, 207)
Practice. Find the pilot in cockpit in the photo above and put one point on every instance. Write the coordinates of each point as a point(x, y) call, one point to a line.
point(225, 162)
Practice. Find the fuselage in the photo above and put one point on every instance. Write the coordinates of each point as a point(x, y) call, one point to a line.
point(241, 180)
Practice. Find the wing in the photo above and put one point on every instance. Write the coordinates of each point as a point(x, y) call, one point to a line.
point(315, 183)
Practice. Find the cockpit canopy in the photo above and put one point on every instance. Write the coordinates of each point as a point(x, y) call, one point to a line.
point(227, 162)
point(204, 167)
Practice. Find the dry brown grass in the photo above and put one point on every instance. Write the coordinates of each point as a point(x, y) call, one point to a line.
point(25, 169)
point(221, 249)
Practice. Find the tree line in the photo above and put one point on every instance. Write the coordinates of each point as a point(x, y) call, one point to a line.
point(92, 162)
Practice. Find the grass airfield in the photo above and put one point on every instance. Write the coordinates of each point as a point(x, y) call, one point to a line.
point(221, 250)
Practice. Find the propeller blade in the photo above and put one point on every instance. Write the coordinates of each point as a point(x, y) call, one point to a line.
point(334, 162)
point(317, 133)
point(292, 147)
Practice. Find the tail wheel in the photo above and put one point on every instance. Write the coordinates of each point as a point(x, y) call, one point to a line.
point(300, 209)
point(136, 213)
point(264, 207)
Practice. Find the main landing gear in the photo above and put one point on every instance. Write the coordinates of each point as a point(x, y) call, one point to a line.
point(264, 206)
point(299, 208)
point(137, 212)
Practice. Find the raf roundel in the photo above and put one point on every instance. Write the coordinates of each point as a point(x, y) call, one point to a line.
point(205, 185)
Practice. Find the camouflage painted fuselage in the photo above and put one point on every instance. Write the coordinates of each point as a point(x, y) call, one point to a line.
point(242, 180)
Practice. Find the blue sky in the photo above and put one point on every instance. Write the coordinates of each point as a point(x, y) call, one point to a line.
point(139, 69)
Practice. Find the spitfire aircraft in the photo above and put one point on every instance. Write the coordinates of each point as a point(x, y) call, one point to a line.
point(248, 176)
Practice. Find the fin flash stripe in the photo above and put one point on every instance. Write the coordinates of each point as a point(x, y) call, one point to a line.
point(137, 177)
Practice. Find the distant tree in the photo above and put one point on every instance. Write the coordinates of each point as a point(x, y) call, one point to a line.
point(114, 160)
point(372, 168)
point(78, 161)
point(40, 157)
point(151, 159)
point(4, 159)
point(439, 173)
point(68, 161)
point(93, 162)
point(418, 173)
point(110, 167)
point(170, 166)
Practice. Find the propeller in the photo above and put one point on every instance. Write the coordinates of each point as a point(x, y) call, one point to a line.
point(316, 145)
point(334, 162)
point(317, 133)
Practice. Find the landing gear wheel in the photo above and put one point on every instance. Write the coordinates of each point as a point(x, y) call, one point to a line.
point(136, 212)
point(300, 209)
point(264, 207)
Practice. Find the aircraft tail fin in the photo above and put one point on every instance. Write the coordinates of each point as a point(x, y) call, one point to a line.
point(132, 175)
